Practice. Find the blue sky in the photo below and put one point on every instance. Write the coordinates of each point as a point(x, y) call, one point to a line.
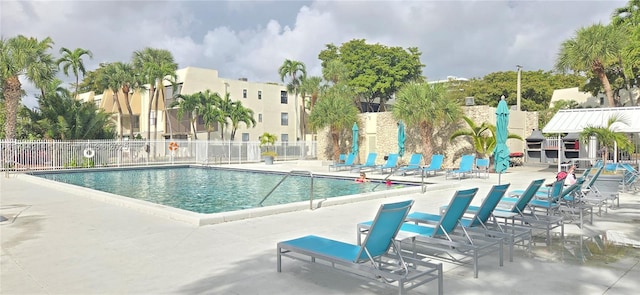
point(252, 38)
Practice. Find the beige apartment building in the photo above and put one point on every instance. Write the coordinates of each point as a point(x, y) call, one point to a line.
point(274, 109)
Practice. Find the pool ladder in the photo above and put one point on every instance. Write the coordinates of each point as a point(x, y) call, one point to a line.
point(293, 172)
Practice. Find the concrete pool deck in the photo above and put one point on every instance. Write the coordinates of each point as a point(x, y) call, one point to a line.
point(61, 241)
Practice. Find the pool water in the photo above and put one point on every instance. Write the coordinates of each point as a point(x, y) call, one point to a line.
point(205, 190)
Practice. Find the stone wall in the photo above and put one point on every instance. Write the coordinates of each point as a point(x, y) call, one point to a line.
point(378, 132)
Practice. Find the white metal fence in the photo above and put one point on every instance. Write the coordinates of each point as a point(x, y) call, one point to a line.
point(19, 155)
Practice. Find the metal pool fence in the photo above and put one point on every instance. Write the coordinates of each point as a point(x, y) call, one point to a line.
point(23, 155)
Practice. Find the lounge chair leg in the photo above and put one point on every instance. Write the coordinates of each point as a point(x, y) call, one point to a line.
point(279, 260)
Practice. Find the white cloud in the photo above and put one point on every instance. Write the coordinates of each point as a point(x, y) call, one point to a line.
point(247, 39)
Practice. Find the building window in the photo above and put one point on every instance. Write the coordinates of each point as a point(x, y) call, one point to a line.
point(244, 93)
point(259, 94)
point(259, 118)
point(283, 97)
point(284, 119)
point(601, 100)
point(284, 137)
point(245, 136)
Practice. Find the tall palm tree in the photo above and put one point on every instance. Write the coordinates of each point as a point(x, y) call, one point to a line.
point(335, 71)
point(73, 60)
point(296, 71)
point(125, 76)
point(335, 109)
point(190, 104)
point(240, 114)
point(22, 56)
point(310, 86)
point(112, 80)
point(426, 107)
point(152, 66)
point(592, 49)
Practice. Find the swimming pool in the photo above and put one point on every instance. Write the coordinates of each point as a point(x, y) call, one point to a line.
point(210, 190)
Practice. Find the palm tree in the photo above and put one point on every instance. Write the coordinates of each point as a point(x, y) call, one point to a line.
point(211, 111)
point(22, 56)
point(592, 49)
point(483, 136)
point(112, 81)
point(335, 110)
point(73, 60)
point(127, 79)
point(296, 71)
point(426, 107)
point(335, 71)
point(240, 114)
point(152, 66)
point(311, 87)
point(607, 136)
point(190, 104)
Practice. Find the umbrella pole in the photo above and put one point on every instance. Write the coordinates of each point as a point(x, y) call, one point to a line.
point(499, 177)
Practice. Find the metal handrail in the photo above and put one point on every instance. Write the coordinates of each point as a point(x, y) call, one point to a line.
point(393, 170)
point(293, 172)
point(15, 170)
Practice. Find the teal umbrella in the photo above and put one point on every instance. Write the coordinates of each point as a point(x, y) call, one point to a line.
point(501, 152)
point(354, 145)
point(401, 137)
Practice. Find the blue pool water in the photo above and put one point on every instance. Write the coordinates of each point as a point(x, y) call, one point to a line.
point(205, 190)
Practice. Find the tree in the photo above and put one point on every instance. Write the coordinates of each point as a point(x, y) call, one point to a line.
point(239, 114)
point(310, 86)
point(127, 79)
point(73, 60)
point(211, 111)
point(425, 107)
point(374, 71)
point(152, 66)
point(627, 20)
point(296, 71)
point(483, 136)
point(607, 136)
point(113, 81)
point(22, 56)
point(592, 50)
point(61, 117)
point(190, 104)
point(335, 110)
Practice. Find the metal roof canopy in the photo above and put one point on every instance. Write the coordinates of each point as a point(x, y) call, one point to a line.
point(575, 120)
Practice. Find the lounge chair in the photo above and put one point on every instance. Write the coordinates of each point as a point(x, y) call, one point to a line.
point(412, 167)
point(465, 168)
point(434, 166)
point(631, 178)
point(369, 164)
point(374, 258)
point(478, 221)
point(515, 211)
point(344, 166)
point(573, 202)
point(390, 165)
point(482, 168)
point(440, 235)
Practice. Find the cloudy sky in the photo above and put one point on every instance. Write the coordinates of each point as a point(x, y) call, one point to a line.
point(252, 38)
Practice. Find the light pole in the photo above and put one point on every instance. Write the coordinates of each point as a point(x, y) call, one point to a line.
point(518, 94)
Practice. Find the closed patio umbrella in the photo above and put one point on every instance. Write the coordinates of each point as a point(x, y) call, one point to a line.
point(501, 152)
point(401, 137)
point(354, 145)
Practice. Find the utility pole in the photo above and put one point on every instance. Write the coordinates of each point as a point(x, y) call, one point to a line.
point(518, 94)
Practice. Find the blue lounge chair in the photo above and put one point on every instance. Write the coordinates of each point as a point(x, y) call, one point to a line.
point(515, 210)
point(344, 166)
point(482, 168)
point(478, 221)
point(465, 168)
point(434, 166)
point(412, 167)
point(631, 178)
point(440, 235)
point(369, 164)
point(374, 257)
point(390, 165)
